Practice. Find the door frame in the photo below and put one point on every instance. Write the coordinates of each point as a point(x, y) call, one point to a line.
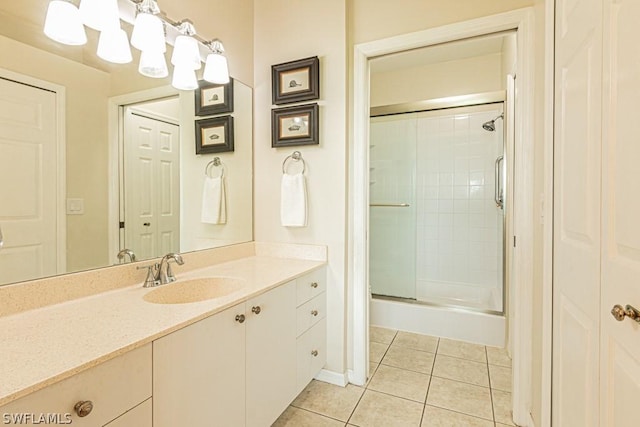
point(116, 105)
point(521, 280)
point(61, 158)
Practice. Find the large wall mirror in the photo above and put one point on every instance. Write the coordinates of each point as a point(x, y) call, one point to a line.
point(95, 158)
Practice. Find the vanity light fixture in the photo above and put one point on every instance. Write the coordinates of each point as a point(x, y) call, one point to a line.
point(63, 23)
point(216, 70)
point(100, 14)
point(185, 58)
point(113, 46)
point(152, 64)
point(148, 29)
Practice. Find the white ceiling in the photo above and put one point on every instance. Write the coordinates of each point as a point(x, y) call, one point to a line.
point(445, 52)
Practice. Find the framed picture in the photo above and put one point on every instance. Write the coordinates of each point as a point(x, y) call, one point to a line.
point(295, 81)
point(294, 126)
point(214, 99)
point(214, 135)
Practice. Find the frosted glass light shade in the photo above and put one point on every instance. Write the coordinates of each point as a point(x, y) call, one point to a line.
point(153, 64)
point(100, 14)
point(148, 33)
point(216, 70)
point(184, 78)
point(186, 53)
point(113, 46)
point(63, 23)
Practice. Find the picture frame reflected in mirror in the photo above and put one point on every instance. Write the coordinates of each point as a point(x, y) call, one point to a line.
point(213, 99)
point(214, 135)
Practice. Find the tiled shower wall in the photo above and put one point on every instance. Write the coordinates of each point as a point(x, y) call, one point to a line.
point(447, 246)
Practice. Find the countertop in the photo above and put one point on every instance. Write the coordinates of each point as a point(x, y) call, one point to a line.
point(42, 346)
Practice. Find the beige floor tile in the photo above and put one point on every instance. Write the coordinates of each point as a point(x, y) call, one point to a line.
point(401, 383)
point(500, 377)
point(416, 341)
point(378, 409)
point(377, 351)
point(328, 399)
point(294, 417)
point(438, 417)
point(381, 335)
point(460, 397)
point(498, 356)
point(502, 407)
point(463, 350)
point(373, 367)
point(463, 370)
point(406, 358)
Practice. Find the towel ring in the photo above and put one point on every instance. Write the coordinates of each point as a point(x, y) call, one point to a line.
point(295, 156)
point(214, 163)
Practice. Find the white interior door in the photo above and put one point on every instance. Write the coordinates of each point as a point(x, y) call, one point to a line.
point(620, 341)
point(28, 182)
point(576, 281)
point(152, 185)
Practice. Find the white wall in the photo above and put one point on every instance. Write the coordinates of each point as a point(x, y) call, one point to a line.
point(287, 30)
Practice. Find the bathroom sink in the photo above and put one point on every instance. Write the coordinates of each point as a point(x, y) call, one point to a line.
point(194, 290)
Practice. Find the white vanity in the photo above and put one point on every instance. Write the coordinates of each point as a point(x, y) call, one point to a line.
point(236, 360)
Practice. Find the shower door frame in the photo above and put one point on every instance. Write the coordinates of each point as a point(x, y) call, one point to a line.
point(521, 21)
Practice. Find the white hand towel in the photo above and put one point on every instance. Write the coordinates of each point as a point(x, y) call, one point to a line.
point(214, 204)
point(293, 201)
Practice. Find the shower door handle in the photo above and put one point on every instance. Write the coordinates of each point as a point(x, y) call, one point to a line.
point(497, 185)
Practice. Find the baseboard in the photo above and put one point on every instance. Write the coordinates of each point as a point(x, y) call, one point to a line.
point(331, 377)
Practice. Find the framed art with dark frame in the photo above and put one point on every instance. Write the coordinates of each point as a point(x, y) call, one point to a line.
point(214, 135)
point(214, 98)
point(296, 81)
point(294, 126)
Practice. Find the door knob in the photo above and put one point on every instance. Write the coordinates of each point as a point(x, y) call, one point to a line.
point(620, 313)
point(147, 224)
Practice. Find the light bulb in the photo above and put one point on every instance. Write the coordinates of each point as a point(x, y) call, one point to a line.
point(184, 78)
point(216, 70)
point(63, 23)
point(113, 46)
point(186, 53)
point(148, 33)
point(100, 14)
point(153, 64)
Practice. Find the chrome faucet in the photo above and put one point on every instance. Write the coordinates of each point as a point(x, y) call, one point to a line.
point(164, 273)
point(126, 252)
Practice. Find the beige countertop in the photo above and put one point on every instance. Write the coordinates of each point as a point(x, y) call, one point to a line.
point(42, 346)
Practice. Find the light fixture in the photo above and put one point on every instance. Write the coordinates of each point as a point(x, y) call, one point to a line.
point(148, 29)
point(153, 64)
point(186, 52)
point(100, 14)
point(63, 23)
point(216, 70)
point(184, 78)
point(113, 46)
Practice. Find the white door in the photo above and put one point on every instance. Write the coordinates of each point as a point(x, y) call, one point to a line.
point(28, 182)
point(620, 341)
point(152, 186)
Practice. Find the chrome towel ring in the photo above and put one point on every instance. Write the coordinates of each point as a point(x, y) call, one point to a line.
point(297, 157)
point(217, 163)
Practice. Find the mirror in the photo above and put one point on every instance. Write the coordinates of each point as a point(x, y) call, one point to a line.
point(76, 177)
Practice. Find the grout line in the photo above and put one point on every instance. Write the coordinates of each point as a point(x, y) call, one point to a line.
point(493, 412)
point(317, 413)
point(458, 412)
point(356, 406)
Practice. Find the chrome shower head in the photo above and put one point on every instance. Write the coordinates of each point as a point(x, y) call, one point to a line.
point(491, 124)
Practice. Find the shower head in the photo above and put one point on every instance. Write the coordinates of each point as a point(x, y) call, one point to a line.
point(491, 124)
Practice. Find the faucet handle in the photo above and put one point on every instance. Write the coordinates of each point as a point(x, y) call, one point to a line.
point(151, 280)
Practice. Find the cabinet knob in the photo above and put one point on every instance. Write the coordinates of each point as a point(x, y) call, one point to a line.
point(256, 309)
point(240, 318)
point(314, 312)
point(83, 408)
point(314, 285)
point(314, 353)
point(629, 311)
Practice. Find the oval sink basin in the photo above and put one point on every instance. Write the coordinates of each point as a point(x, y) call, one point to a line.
point(194, 290)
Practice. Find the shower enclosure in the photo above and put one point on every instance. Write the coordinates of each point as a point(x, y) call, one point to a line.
point(437, 186)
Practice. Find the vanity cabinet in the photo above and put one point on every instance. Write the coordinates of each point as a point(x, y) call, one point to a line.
point(140, 416)
point(113, 389)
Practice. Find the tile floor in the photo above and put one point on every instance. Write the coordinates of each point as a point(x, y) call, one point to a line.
point(416, 380)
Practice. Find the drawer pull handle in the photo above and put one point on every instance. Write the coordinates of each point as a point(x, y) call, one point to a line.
point(256, 309)
point(83, 408)
point(314, 312)
point(240, 318)
point(314, 285)
point(314, 353)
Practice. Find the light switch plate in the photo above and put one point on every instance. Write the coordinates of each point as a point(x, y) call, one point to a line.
point(75, 206)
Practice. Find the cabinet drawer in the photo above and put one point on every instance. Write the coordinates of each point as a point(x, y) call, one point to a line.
point(113, 387)
point(309, 313)
point(312, 353)
point(311, 285)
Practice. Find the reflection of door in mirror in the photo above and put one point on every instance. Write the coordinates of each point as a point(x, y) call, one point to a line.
point(29, 193)
point(152, 178)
